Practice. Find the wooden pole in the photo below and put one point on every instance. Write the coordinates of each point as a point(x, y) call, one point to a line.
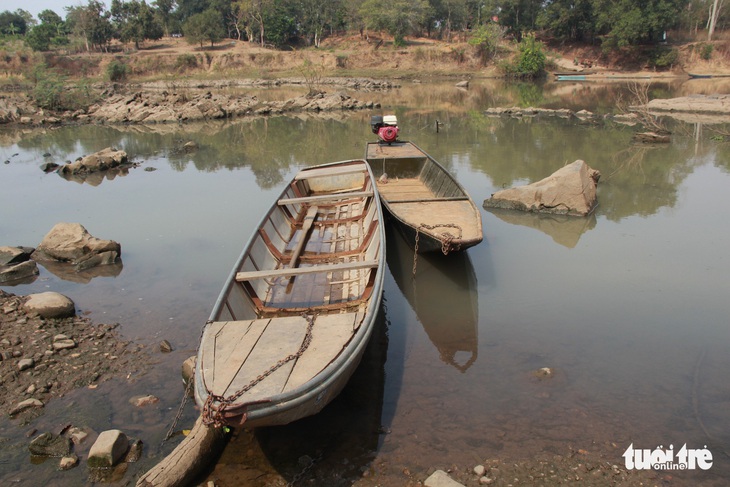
point(188, 459)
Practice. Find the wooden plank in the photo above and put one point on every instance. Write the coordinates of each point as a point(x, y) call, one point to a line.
point(233, 344)
point(330, 171)
point(250, 275)
point(325, 197)
point(393, 151)
point(303, 235)
point(432, 200)
point(330, 335)
point(282, 337)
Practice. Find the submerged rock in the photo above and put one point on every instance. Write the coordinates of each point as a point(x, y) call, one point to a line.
point(571, 190)
point(108, 449)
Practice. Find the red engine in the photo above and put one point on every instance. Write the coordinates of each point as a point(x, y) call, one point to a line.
point(386, 128)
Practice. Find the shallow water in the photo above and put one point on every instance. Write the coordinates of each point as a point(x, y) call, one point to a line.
point(627, 306)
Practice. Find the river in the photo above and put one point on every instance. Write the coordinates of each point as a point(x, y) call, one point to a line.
point(628, 307)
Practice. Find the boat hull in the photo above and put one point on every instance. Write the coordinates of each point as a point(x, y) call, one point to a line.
point(432, 211)
point(245, 375)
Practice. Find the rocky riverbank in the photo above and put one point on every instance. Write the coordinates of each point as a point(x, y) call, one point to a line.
point(45, 358)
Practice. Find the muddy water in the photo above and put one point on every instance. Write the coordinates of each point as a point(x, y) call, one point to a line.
point(628, 307)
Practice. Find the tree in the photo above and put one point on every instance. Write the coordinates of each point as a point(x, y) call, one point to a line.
point(628, 22)
point(572, 20)
point(135, 22)
point(714, 14)
point(399, 17)
point(519, 16)
point(314, 16)
point(13, 23)
point(91, 23)
point(163, 12)
point(205, 26)
point(51, 31)
point(254, 12)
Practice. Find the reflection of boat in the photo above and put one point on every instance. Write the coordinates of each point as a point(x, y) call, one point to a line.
point(430, 208)
point(297, 311)
point(443, 294)
point(570, 77)
point(705, 76)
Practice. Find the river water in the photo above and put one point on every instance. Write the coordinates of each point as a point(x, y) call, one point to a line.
point(628, 307)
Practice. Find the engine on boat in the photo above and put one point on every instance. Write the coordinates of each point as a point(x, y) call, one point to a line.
point(385, 127)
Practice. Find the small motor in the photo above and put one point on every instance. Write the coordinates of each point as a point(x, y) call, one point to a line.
point(386, 128)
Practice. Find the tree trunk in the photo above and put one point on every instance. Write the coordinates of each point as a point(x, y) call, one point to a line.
point(187, 460)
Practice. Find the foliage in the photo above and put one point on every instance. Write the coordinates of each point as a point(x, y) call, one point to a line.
point(117, 71)
point(204, 27)
point(706, 51)
point(531, 60)
point(50, 91)
point(398, 17)
point(569, 19)
point(664, 58)
point(281, 23)
point(629, 22)
point(485, 40)
point(13, 23)
point(186, 61)
point(135, 21)
point(91, 23)
point(519, 16)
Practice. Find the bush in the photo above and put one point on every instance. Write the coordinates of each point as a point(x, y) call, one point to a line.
point(485, 40)
point(706, 51)
point(117, 71)
point(664, 58)
point(50, 91)
point(531, 60)
point(185, 61)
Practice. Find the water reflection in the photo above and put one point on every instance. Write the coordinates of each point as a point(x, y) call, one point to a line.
point(443, 294)
point(68, 272)
point(563, 229)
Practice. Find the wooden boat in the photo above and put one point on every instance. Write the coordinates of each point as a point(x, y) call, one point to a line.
point(431, 209)
point(298, 309)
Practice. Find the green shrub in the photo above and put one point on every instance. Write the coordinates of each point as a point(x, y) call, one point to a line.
point(530, 62)
point(664, 58)
point(185, 61)
point(706, 51)
point(485, 40)
point(117, 71)
point(52, 93)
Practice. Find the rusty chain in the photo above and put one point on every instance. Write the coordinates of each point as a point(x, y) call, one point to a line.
point(215, 417)
point(446, 240)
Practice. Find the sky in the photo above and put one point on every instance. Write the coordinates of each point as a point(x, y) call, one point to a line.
point(37, 6)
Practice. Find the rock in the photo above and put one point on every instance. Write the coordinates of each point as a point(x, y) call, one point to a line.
point(165, 346)
point(99, 161)
point(71, 242)
point(462, 84)
point(571, 190)
point(17, 272)
point(189, 147)
point(14, 255)
point(50, 305)
point(77, 435)
point(50, 445)
point(68, 462)
point(188, 369)
point(108, 449)
point(47, 167)
point(479, 470)
point(64, 344)
point(441, 479)
point(27, 404)
point(141, 401)
point(486, 481)
point(26, 363)
point(652, 138)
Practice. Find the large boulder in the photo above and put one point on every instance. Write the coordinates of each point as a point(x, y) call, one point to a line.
point(50, 305)
point(571, 190)
point(99, 161)
point(72, 243)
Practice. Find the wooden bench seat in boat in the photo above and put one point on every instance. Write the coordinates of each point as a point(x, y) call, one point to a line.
point(325, 197)
point(330, 171)
point(297, 271)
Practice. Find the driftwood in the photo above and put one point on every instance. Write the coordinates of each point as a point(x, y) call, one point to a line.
point(188, 459)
